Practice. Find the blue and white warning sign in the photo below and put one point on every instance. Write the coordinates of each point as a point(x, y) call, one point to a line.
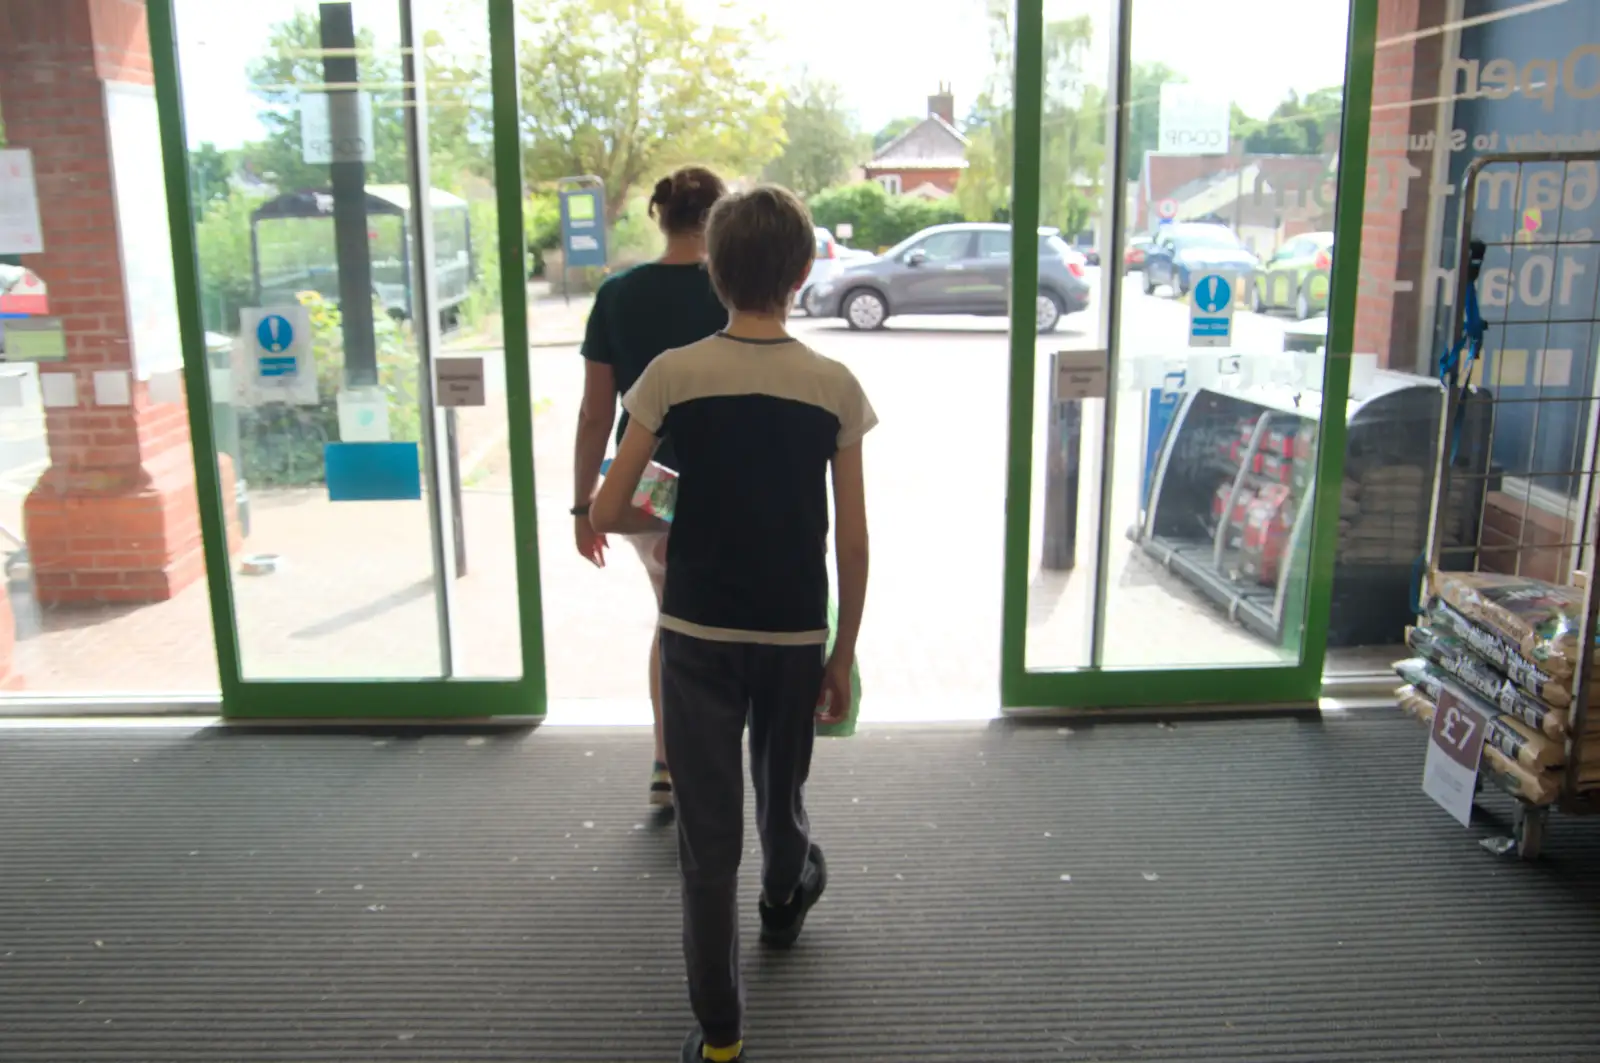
point(278, 360)
point(1211, 311)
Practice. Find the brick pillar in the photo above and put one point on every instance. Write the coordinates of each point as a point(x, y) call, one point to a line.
point(115, 517)
point(1394, 225)
point(1387, 153)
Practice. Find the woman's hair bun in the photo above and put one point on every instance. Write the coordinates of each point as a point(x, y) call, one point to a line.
point(682, 201)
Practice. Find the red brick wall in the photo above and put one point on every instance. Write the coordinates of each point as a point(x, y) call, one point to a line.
point(1525, 539)
point(1392, 93)
point(1394, 231)
point(121, 40)
point(115, 516)
point(910, 179)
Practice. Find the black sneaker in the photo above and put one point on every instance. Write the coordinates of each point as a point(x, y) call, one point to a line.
point(695, 1051)
point(781, 924)
point(660, 786)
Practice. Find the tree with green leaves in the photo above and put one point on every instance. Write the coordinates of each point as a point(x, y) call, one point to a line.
point(210, 176)
point(1144, 113)
point(627, 89)
point(460, 112)
point(290, 70)
point(456, 88)
point(1072, 128)
point(878, 218)
point(1295, 127)
point(821, 141)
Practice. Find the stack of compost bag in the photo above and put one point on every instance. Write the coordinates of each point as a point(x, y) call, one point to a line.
point(1383, 515)
point(1508, 646)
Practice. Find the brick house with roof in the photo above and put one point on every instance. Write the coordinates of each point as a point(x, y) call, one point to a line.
point(926, 160)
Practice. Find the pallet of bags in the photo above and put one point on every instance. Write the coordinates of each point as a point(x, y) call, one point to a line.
point(1513, 736)
point(1499, 652)
point(1533, 621)
point(1534, 787)
point(1454, 657)
point(1391, 517)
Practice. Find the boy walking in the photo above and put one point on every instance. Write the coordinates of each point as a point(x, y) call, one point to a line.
point(757, 420)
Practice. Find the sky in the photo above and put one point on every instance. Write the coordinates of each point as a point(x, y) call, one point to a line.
point(887, 55)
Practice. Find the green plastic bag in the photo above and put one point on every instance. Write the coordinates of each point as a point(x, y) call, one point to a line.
point(846, 727)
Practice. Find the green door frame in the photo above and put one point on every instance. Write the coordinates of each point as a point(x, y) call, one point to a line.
point(399, 699)
point(1022, 690)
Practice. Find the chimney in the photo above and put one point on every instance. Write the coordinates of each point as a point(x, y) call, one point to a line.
point(943, 104)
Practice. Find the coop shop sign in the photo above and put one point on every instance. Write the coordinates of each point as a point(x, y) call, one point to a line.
point(324, 141)
point(1193, 122)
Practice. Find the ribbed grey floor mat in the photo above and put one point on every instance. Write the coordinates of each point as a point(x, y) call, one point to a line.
point(1263, 890)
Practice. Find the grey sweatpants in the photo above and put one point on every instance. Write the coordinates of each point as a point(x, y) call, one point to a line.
point(709, 690)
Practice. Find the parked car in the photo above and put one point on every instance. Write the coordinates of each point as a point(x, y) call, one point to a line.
point(825, 265)
point(953, 269)
point(1182, 250)
point(1296, 277)
point(1133, 254)
point(846, 257)
point(1085, 247)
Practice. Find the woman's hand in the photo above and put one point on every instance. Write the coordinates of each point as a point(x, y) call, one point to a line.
point(591, 544)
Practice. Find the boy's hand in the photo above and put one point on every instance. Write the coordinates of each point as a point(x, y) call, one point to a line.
point(834, 704)
point(591, 544)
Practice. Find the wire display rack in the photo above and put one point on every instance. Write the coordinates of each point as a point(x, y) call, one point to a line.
point(1515, 491)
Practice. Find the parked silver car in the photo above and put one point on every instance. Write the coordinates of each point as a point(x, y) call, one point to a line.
point(953, 269)
point(827, 263)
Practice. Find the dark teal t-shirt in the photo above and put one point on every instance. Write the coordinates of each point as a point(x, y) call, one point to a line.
point(644, 311)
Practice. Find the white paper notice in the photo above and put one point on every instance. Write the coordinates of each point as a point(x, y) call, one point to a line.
point(59, 391)
point(111, 388)
point(166, 389)
point(13, 392)
point(20, 230)
point(134, 131)
point(363, 416)
point(1081, 374)
point(460, 382)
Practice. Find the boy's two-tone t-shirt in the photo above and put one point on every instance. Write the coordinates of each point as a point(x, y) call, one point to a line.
point(755, 424)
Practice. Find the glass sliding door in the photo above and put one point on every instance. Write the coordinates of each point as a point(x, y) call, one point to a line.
point(344, 226)
point(1174, 480)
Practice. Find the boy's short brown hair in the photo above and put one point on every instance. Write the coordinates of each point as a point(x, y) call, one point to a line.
point(759, 245)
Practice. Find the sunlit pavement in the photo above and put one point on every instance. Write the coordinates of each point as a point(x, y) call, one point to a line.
point(353, 596)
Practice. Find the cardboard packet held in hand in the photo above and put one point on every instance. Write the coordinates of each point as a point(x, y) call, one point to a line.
point(657, 492)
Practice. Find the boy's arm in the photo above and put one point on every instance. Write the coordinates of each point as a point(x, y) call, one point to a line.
point(613, 509)
point(850, 548)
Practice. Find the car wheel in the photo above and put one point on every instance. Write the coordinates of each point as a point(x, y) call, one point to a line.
point(1047, 311)
point(865, 310)
point(1302, 307)
point(1149, 283)
point(1180, 283)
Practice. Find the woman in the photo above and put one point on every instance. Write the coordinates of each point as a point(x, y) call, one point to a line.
point(637, 315)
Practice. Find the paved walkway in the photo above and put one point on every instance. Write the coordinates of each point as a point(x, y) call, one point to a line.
point(355, 594)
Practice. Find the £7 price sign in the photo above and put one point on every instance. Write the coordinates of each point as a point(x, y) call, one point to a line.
point(1455, 746)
